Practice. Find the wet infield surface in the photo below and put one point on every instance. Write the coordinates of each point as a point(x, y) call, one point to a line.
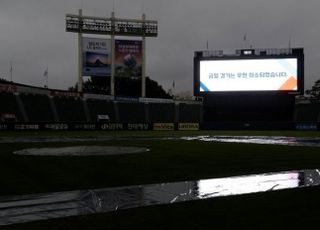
point(27, 208)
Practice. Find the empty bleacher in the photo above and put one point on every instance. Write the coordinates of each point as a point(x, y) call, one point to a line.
point(37, 107)
point(190, 112)
point(9, 105)
point(162, 112)
point(70, 109)
point(100, 107)
point(23, 103)
point(131, 111)
point(307, 112)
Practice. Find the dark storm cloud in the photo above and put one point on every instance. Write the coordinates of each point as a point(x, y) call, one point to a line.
point(33, 34)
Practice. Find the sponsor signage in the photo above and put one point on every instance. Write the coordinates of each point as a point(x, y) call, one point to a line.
point(75, 126)
point(163, 126)
point(98, 96)
point(126, 99)
point(56, 126)
point(111, 126)
point(188, 126)
point(139, 126)
point(128, 58)
point(4, 127)
point(55, 93)
point(8, 88)
point(83, 126)
point(26, 127)
point(306, 126)
point(96, 57)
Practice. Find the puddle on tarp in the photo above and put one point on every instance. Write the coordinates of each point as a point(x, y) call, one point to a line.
point(267, 140)
point(26, 208)
point(82, 151)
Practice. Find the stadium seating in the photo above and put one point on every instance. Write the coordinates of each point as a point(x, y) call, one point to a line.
point(9, 105)
point(24, 103)
point(131, 112)
point(70, 109)
point(307, 112)
point(41, 108)
point(100, 107)
point(161, 112)
point(189, 112)
point(37, 107)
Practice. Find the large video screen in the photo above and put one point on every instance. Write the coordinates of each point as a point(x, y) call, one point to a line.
point(270, 74)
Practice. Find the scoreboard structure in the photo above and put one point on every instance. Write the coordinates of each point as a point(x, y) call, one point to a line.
point(249, 84)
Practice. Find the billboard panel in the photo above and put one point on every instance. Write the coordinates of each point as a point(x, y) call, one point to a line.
point(272, 74)
point(96, 57)
point(128, 58)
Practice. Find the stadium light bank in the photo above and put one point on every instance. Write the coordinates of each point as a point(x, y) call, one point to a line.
point(114, 27)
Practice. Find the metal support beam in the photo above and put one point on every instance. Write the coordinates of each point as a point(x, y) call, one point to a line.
point(112, 79)
point(80, 81)
point(143, 77)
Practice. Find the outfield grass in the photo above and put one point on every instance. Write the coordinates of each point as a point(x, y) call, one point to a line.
point(168, 161)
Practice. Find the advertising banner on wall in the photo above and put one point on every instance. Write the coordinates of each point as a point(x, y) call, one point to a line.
point(128, 58)
point(96, 57)
point(189, 126)
point(163, 126)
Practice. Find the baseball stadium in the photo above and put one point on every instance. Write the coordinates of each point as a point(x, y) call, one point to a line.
point(241, 153)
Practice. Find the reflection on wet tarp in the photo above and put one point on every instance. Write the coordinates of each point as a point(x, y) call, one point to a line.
point(21, 209)
point(248, 184)
point(267, 140)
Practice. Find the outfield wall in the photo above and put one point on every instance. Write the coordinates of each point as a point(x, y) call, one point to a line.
point(260, 126)
point(103, 126)
point(144, 126)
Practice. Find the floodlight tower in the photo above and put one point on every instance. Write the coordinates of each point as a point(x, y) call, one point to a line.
point(115, 27)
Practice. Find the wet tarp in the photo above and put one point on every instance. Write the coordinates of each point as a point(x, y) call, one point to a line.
point(21, 209)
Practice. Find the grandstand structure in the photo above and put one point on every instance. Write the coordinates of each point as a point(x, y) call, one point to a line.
point(33, 108)
point(307, 110)
point(27, 104)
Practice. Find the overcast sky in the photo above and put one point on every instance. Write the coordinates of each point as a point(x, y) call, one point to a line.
point(33, 37)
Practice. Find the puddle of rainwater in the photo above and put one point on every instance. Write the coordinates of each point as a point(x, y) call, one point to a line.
point(21, 209)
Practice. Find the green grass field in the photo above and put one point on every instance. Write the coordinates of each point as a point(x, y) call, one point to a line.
point(168, 161)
